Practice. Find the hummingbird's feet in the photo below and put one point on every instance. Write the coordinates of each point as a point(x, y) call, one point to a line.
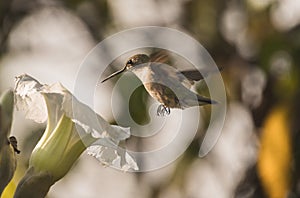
point(163, 110)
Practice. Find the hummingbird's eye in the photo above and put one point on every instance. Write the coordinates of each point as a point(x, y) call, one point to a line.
point(129, 62)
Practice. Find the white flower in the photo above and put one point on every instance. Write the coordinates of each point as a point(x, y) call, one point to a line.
point(72, 126)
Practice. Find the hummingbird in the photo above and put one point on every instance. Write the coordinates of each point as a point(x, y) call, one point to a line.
point(167, 85)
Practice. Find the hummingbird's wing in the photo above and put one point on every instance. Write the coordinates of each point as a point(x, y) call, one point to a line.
point(161, 61)
point(160, 56)
point(196, 75)
point(186, 77)
point(169, 75)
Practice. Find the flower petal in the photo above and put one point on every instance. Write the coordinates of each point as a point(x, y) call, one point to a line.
point(93, 123)
point(36, 99)
point(28, 98)
point(116, 157)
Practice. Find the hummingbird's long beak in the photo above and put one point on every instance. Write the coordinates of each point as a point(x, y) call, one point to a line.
point(114, 74)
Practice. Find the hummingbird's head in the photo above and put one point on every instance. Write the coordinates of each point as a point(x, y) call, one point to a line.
point(132, 62)
point(137, 60)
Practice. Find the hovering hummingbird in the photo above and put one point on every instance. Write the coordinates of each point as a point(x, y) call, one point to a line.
point(164, 83)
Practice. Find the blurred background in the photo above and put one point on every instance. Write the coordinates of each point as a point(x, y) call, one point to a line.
point(257, 42)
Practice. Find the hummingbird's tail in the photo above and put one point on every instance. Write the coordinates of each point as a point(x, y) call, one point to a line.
point(203, 101)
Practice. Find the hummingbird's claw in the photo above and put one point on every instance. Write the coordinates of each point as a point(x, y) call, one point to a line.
point(163, 110)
